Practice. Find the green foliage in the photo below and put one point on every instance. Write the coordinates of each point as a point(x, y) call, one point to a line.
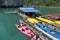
point(43, 2)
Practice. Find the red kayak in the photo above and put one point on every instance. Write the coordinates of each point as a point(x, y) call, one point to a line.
point(22, 27)
point(53, 16)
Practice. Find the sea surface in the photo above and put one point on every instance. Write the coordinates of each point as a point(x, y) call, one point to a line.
point(8, 29)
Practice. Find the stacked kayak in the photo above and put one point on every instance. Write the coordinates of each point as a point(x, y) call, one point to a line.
point(49, 31)
point(56, 23)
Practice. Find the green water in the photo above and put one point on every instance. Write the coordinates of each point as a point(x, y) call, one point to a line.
point(8, 30)
point(44, 10)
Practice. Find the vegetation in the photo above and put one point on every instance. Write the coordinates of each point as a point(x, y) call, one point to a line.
point(42, 2)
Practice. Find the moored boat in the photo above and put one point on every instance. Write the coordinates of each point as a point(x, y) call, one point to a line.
point(53, 16)
point(22, 27)
point(33, 13)
point(25, 30)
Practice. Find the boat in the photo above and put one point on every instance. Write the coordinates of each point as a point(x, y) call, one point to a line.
point(45, 20)
point(53, 16)
point(22, 28)
point(29, 15)
point(32, 20)
point(26, 13)
point(57, 22)
point(25, 30)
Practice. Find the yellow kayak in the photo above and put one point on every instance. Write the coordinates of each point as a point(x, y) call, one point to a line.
point(32, 20)
point(57, 22)
point(45, 20)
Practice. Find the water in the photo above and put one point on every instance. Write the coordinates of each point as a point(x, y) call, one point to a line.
point(8, 30)
point(45, 10)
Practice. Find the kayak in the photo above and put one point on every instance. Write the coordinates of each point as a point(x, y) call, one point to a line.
point(22, 28)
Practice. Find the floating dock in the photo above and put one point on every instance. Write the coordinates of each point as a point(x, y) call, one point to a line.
point(41, 31)
point(37, 28)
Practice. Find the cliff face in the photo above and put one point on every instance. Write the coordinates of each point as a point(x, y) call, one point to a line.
point(12, 2)
point(1, 2)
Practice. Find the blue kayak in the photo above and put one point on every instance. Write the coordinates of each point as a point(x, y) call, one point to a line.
point(49, 31)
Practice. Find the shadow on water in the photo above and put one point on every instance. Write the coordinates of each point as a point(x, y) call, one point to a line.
point(8, 30)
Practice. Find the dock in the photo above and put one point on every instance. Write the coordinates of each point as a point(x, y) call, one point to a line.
point(35, 28)
point(38, 29)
